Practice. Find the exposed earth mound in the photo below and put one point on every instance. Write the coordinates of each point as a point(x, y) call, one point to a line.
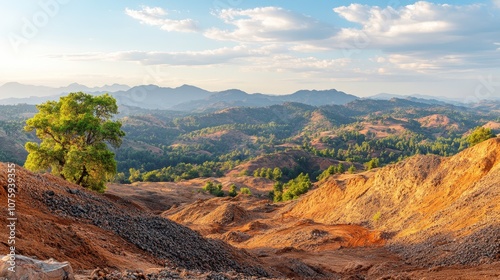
point(433, 210)
point(59, 220)
point(427, 216)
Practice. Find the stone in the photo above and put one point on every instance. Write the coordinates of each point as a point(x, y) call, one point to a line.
point(31, 269)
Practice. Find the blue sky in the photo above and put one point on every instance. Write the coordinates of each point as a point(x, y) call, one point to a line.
point(364, 47)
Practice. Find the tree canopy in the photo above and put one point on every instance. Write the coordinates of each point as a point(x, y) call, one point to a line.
point(75, 132)
point(479, 135)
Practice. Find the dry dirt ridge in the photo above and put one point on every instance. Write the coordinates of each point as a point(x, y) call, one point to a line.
point(433, 216)
point(63, 221)
point(434, 211)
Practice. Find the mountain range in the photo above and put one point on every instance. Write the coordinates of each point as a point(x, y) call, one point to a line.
point(22, 91)
point(189, 98)
point(183, 98)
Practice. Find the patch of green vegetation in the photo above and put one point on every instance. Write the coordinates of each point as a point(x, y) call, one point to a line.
point(245, 191)
point(479, 134)
point(376, 217)
point(292, 189)
point(213, 189)
point(232, 190)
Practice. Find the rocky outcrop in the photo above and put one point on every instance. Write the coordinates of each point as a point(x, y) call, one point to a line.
point(30, 269)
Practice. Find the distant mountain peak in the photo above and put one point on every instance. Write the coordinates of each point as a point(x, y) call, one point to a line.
point(188, 86)
point(12, 84)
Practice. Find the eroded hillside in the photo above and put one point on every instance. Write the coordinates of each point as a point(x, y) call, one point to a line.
point(425, 212)
point(425, 199)
point(60, 220)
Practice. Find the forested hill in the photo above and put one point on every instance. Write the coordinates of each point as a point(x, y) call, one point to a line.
point(362, 131)
point(295, 137)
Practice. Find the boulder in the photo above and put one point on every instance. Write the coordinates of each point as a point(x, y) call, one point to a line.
point(31, 269)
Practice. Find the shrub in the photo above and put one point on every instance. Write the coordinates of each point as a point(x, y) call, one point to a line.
point(213, 189)
point(373, 163)
point(232, 190)
point(351, 169)
point(376, 216)
point(296, 187)
point(245, 191)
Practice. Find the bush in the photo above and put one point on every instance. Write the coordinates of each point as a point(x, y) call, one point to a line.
point(351, 169)
point(232, 190)
point(245, 191)
point(277, 193)
point(121, 178)
point(296, 187)
point(213, 189)
point(244, 172)
point(373, 163)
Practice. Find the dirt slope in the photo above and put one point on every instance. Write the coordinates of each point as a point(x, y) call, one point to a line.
point(60, 220)
point(434, 210)
point(426, 217)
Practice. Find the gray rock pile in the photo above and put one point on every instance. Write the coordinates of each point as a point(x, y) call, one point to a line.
point(172, 273)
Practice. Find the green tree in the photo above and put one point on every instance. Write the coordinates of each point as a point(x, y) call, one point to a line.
point(74, 134)
point(479, 135)
point(277, 192)
point(373, 163)
point(232, 190)
point(135, 175)
point(352, 169)
point(329, 171)
point(340, 168)
point(277, 174)
point(245, 191)
point(214, 189)
point(296, 187)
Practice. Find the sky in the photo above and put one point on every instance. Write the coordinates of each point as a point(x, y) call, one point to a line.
point(442, 48)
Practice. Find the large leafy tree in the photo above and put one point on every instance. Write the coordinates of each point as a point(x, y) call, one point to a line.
point(75, 133)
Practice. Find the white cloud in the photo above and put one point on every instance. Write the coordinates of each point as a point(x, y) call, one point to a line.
point(156, 16)
point(290, 63)
point(496, 2)
point(419, 41)
point(421, 26)
point(206, 57)
point(269, 24)
point(428, 36)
